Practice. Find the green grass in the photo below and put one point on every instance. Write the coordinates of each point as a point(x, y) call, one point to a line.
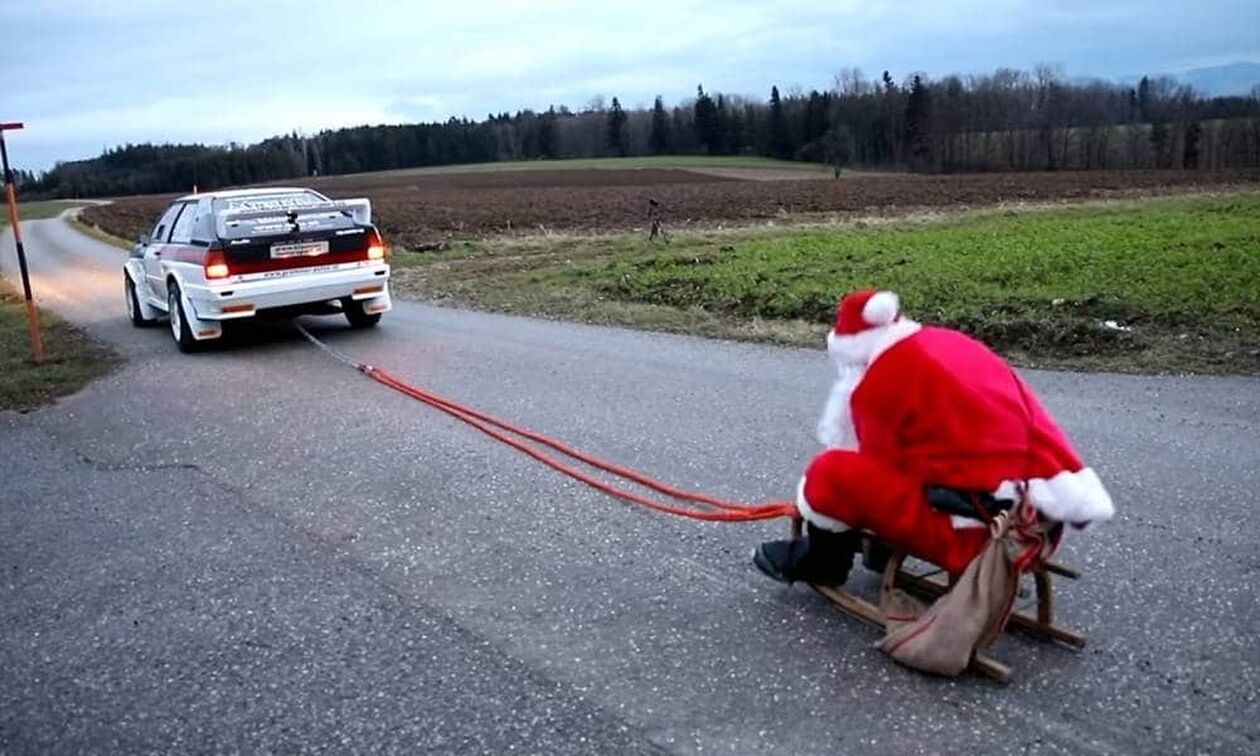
point(1179, 276)
point(37, 210)
point(582, 164)
point(71, 359)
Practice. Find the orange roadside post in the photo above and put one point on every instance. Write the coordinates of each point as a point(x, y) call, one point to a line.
point(10, 194)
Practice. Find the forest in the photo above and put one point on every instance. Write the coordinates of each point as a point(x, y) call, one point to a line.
point(1005, 121)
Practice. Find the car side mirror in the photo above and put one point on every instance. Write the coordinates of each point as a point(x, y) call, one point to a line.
point(143, 240)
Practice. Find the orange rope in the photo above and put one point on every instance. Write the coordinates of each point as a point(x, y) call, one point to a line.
point(714, 509)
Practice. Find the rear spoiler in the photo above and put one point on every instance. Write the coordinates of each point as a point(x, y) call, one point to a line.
point(358, 209)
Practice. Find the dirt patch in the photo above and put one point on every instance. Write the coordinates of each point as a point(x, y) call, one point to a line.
point(531, 179)
point(417, 210)
point(421, 215)
point(127, 218)
point(766, 174)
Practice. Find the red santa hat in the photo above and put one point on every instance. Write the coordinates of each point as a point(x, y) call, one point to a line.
point(866, 309)
point(867, 323)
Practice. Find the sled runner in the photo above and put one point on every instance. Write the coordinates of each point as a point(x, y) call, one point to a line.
point(1038, 624)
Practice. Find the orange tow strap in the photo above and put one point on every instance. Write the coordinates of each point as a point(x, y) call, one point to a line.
point(702, 506)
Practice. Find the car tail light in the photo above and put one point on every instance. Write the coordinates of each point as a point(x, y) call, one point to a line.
point(376, 247)
point(216, 265)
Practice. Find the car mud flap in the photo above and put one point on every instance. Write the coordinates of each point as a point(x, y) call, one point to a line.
point(377, 304)
point(147, 310)
point(202, 330)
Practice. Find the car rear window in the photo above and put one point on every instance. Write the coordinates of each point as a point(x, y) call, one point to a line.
point(233, 224)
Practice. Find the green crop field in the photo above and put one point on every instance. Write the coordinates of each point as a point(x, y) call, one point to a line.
point(583, 164)
point(1160, 284)
point(37, 210)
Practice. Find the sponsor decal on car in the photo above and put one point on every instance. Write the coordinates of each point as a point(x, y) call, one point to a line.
point(290, 272)
point(273, 202)
point(299, 249)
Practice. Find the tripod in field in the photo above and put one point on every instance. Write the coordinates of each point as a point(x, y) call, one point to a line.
point(657, 227)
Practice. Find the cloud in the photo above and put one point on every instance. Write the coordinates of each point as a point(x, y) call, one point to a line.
point(87, 73)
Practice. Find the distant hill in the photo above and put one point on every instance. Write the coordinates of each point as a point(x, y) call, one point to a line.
point(1212, 81)
point(1231, 79)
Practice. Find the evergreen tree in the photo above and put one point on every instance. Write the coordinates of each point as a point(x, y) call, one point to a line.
point(726, 128)
point(618, 136)
point(780, 142)
point(708, 128)
point(1159, 144)
point(1190, 155)
point(547, 142)
point(816, 118)
point(886, 137)
point(660, 141)
point(918, 120)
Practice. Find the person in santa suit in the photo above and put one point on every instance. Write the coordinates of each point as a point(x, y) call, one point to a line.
point(920, 419)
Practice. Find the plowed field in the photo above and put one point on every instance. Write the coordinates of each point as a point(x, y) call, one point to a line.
point(417, 209)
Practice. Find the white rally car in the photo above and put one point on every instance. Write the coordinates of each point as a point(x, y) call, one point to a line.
point(232, 255)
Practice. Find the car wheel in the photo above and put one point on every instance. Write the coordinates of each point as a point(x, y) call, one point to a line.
point(358, 317)
point(134, 313)
point(179, 321)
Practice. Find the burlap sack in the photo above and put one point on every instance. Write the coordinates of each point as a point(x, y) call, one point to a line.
point(943, 637)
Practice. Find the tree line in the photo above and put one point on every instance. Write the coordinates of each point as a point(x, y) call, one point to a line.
point(1005, 121)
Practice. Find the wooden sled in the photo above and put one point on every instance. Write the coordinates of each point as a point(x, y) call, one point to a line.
point(1039, 625)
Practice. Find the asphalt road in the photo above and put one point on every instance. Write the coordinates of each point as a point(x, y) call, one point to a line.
point(257, 549)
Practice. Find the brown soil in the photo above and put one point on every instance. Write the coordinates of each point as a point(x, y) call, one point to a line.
point(768, 174)
point(414, 210)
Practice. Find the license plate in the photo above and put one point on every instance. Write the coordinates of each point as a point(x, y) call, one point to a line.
point(299, 249)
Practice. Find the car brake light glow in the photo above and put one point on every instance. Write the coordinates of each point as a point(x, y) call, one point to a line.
point(376, 246)
point(216, 265)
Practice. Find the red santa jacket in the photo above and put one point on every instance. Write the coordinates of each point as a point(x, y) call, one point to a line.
point(943, 408)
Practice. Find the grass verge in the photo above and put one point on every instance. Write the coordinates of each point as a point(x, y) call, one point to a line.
point(98, 233)
point(71, 359)
point(1160, 285)
point(38, 210)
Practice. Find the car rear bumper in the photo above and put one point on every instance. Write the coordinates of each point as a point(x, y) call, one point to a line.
point(245, 296)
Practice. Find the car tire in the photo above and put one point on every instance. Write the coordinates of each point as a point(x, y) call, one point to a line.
point(358, 317)
point(134, 313)
point(179, 320)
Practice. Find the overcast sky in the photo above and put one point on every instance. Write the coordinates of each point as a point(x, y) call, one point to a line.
point(86, 74)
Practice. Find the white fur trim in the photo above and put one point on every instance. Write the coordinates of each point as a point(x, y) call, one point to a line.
point(818, 520)
point(1067, 497)
point(881, 309)
point(864, 347)
point(835, 427)
point(962, 523)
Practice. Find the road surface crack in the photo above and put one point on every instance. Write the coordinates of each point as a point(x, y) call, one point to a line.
point(102, 466)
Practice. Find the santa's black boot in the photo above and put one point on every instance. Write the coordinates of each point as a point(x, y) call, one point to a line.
point(821, 557)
